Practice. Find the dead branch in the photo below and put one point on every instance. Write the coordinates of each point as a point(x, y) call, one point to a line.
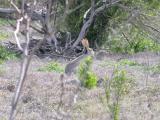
point(7, 10)
point(16, 33)
point(14, 5)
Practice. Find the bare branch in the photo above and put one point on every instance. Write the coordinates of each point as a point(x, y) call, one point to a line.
point(14, 5)
point(27, 36)
point(127, 39)
point(16, 33)
point(24, 70)
point(88, 23)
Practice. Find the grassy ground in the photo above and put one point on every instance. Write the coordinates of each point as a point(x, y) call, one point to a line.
point(46, 97)
point(42, 90)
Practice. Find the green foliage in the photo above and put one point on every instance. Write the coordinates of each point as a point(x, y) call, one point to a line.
point(118, 86)
point(155, 69)
point(75, 20)
point(87, 77)
point(6, 55)
point(4, 22)
point(108, 94)
point(53, 66)
point(124, 62)
point(3, 35)
point(112, 20)
point(1, 69)
point(120, 82)
point(4, 3)
point(91, 80)
point(115, 110)
point(107, 63)
point(130, 40)
point(95, 32)
point(154, 4)
point(146, 44)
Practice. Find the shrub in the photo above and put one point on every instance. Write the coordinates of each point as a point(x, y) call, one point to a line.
point(91, 80)
point(120, 82)
point(124, 62)
point(53, 66)
point(85, 75)
point(115, 109)
point(3, 35)
point(4, 22)
point(6, 55)
point(128, 39)
point(117, 87)
point(155, 69)
point(138, 45)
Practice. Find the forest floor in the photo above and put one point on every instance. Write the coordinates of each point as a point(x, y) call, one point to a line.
point(46, 97)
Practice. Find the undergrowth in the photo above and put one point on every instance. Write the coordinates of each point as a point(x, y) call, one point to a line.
point(87, 77)
point(6, 54)
point(1, 70)
point(129, 39)
point(3, 35)
point(116, 88)
point(155, 69)
point(52, 66)
point(4, 22)
point(122, 62)
point(136, 46)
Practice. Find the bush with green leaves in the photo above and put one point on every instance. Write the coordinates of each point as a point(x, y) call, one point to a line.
point(118, 86)
point(6, 55)
point(128, 39)
point(120, 82)
point(115, 110)
point(4, 22)
point(154, 69)
point(115, 17)
point(3, 35)
point(125, 62)
point(52, 66)
point(86, 75)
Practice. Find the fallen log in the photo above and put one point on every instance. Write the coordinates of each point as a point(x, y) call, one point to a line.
point(7, 12)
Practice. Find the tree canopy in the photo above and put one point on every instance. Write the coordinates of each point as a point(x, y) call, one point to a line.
point(111, 24)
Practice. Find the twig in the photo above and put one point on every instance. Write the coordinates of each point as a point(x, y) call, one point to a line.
point(127, 39)
point(16, 33)
point(12, 3)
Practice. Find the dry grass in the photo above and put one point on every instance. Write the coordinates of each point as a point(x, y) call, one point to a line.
point(41, 94)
